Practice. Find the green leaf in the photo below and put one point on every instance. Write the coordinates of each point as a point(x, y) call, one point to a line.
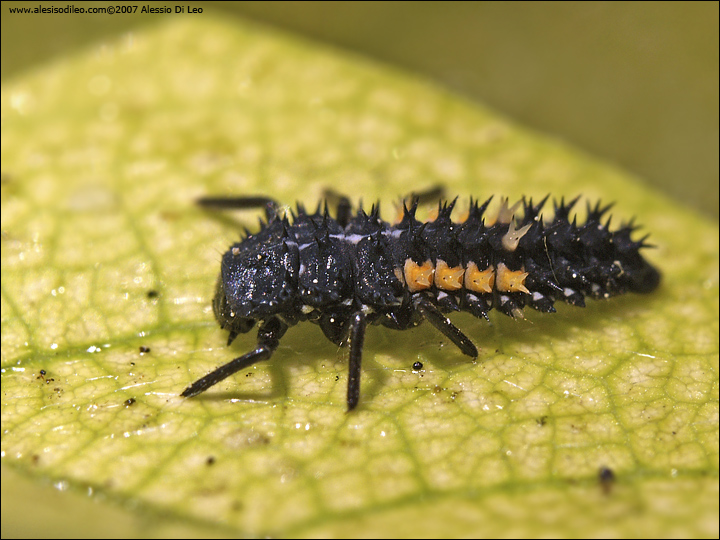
point(104, 253)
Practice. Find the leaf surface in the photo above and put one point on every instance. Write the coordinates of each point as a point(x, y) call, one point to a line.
point(104, 255)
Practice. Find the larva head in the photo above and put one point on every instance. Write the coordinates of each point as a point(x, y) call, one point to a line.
point(255, 281)
point(229, 319)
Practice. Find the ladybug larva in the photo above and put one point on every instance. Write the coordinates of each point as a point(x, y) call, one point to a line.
point(346, 272)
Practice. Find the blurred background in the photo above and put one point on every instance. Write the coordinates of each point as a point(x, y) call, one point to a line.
point(635, 83)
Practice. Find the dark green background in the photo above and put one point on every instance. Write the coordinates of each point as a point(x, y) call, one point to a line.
point(633, 82)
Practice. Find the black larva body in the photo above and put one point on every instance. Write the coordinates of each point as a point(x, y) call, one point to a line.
point(346, 272)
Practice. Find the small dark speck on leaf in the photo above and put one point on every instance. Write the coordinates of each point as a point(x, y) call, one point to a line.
point(606, 476)
point(144, 349)
point(152, 294)
point(129, 402)
point(542, 421)
point(210, 460)
point(417, 366)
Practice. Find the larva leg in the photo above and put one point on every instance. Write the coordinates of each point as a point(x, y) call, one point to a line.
point(269, 335)
point(442, 323)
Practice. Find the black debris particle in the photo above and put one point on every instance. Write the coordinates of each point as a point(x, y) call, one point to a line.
point(129, 402)
point(606, 476)
point(144, 349)
point(417, 366)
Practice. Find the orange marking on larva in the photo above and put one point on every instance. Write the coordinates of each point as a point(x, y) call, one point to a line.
point(504, 214)
point(418, 277)
point(511, 280)
point(399, 212)
point(433, 214)
point(399, 275)
point(481, 281)
point(446, 278)
point(512, 238)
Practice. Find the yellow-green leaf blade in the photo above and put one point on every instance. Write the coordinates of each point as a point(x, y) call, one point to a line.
point(104, 253)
